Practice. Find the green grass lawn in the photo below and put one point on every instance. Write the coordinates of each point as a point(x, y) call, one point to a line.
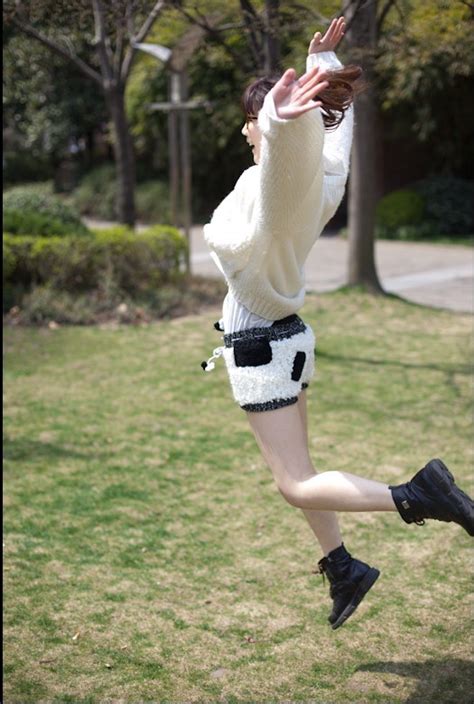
point(149, 557)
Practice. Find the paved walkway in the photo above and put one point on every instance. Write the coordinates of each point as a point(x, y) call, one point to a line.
point(431, 274)
point(438, 275)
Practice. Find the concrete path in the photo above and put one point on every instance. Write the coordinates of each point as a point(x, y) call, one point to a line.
point(435, 275)
point(430, 274)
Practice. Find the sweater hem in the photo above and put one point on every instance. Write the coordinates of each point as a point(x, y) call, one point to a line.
point(270, 310)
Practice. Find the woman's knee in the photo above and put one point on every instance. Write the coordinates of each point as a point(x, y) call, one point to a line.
point(292, 491)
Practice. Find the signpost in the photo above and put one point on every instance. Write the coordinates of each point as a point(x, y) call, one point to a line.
point(178, 107)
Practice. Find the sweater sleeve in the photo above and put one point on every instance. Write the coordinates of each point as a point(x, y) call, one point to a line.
point(290, 164)
point(338, 142)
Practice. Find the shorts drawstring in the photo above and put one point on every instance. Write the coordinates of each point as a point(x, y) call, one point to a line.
point(209, 365)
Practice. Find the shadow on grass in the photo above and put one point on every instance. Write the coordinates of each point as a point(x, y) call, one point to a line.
point(19, 449)
point(444, 680)
point(349, 289)
point(445, 369)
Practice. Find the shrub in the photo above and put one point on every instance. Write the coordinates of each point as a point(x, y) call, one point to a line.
point(9, 261)
point(398, 209)
point(38, 224)
point(21, 166)
point(153, 202)
point(31, 210)
point(96, 195)
point(448, 204)
point(143, 260)
point(116, 259)
point(423, 231)
point(45, 303)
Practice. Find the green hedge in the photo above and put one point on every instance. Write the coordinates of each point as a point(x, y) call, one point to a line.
point(397, 210)
point(96, 196)
point(116, 258)
point(439, 206)
point(32, 210)
point(448, 204)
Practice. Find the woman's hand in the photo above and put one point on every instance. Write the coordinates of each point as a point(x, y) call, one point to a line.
point(330, 40)
point(293, 97)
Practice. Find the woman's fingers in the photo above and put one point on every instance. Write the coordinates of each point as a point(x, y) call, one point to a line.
point(341, 25)
point(331, 30)
point(314, 74)
point(335, 32)
point(288, 78)
point(339, 30)
point(293, 96)
point(296, 111)
point(316, 80)
point(310, 106)
point(312, 92)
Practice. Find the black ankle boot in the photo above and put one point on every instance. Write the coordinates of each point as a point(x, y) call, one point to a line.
point(432, 493)
point(350, 580)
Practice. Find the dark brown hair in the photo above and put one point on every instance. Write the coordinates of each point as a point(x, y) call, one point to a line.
point(336, 98)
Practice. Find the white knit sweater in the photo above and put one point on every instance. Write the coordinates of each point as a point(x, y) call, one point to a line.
point(262, 232)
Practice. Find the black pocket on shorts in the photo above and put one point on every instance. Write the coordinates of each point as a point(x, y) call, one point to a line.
point(298, 364)
point(252, 353)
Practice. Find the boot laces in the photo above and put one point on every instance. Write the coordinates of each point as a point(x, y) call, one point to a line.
point(319, 569)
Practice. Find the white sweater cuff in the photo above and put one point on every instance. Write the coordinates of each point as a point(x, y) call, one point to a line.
point(269, 113)
point(323, 59)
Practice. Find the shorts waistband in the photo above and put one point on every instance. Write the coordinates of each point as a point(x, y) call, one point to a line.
point(279, 330)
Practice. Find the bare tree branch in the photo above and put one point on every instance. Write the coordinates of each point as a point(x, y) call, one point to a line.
point(58, 49)
point(129, 19)
point(139, 37)
point(469, 5)
point(381, 19)
point(119, 49)
point(354, 10)
point(100, 42)
point(253, 22)
point(213, 32)
point(148, 23)
point(318, 17)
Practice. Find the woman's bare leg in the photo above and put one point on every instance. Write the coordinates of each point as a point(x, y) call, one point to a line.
point(324, 524)
point(281, 437)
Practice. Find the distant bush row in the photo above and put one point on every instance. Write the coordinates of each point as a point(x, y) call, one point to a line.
point(57, 271)
point(97, 193)
point(440, 206)
point(114, 263)
point(133, 260)
point(34, 209)
point(432, 208)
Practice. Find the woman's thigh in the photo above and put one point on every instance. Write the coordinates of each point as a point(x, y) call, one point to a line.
point(282, 439)
point(303, 409)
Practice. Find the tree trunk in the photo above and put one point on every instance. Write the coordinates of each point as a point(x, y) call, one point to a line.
point(363, 180)
point(124, 156)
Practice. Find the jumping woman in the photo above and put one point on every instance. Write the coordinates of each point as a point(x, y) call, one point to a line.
point(300, 131)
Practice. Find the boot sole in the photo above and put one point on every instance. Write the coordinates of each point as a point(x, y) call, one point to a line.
point(445, 481)
point(366, 583)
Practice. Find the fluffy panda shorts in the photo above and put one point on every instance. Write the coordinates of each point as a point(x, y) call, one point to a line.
point(268, 367)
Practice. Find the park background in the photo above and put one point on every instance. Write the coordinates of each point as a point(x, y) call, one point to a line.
point(148, 556)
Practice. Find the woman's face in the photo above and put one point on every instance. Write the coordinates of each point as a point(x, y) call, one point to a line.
point(252, 134)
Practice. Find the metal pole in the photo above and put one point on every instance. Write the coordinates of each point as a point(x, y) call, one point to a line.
point(174, 150)
point(185, 167)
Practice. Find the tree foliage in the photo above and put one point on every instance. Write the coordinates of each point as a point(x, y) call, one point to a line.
point(426, 75)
